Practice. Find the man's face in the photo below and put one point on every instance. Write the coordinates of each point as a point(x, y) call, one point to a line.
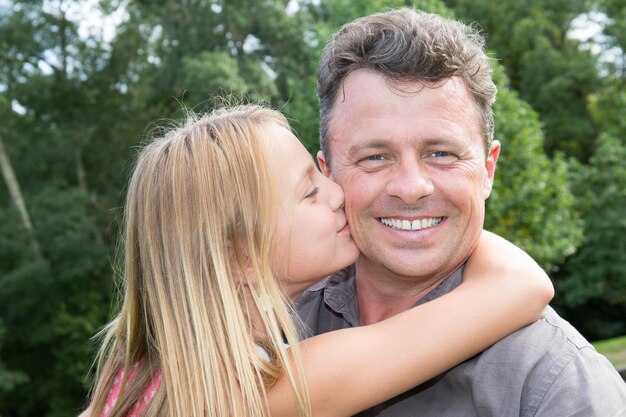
point(412, 164)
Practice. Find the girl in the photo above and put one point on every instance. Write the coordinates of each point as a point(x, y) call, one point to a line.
point(227, 221)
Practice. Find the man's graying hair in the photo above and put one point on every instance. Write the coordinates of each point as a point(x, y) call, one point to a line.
point(406, 45)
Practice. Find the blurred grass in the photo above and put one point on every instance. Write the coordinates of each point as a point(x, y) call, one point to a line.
point(614, 350)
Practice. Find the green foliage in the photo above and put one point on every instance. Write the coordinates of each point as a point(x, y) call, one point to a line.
point(52, 307)
point(615, 30)
point(201, 49)
point(531, 203)
point(545, 66)
point(556, 82)
point(209, 73)
point(608, 108)
point(65, 155)
point(596, 271)
point(9, 379)
point(614, 349)
point(592, 279)
point(302, 110)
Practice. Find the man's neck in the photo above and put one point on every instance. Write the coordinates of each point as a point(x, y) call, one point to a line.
point(382, 294)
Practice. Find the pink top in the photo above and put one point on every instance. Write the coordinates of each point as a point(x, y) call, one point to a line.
point(141, 405)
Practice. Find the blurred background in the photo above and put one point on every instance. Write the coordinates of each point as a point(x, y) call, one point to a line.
point(83, 83)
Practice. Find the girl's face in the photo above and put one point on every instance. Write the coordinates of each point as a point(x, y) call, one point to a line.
point(313, 237)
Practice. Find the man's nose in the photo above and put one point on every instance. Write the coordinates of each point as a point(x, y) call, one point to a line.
point(410, 181)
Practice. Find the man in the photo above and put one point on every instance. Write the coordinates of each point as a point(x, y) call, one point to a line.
point(407, 131)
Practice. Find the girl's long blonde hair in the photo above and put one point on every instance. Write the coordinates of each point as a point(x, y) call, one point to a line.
point(201, 211)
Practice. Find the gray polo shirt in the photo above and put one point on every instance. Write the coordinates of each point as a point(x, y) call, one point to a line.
point(546, 369)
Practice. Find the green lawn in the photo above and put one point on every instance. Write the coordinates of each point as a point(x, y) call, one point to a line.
point(614, 350)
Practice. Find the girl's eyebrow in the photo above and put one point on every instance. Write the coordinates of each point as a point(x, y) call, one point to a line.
point(305, 173)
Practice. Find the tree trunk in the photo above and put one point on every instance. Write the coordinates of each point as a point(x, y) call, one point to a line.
point(16, 196)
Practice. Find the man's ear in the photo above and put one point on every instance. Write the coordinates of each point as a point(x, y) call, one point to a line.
point(490, 166)
point(321, 161)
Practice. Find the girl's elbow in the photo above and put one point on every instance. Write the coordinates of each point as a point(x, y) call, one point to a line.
point(543, 293)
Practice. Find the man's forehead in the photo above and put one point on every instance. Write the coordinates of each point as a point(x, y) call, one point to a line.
point(355, 99)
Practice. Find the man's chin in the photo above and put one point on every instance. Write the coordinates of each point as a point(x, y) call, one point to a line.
point(417, 270)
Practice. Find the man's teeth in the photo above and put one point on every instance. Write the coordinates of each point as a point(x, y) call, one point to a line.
point(411, 225)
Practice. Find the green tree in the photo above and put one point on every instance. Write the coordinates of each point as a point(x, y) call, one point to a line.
point(191, 51)
point(53, 123)
point(609, 106)
point(593, 277)
point(531, 204)
point(614, 20)
point(9, 379)
point(545, 65)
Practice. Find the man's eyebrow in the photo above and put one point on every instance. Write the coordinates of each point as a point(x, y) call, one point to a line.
point(377, 144)
point(440, 141)
point(373, 144)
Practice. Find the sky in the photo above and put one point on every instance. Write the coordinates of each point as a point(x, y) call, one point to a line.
point(588, 29)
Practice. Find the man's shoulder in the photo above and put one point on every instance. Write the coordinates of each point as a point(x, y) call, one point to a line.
point(546, 363)
point(549, 338)
point(547, 351)
point(551, 322)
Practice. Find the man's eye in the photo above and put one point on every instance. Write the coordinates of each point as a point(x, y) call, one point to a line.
point(374, 162)
point(440, 154)
point(376, 157)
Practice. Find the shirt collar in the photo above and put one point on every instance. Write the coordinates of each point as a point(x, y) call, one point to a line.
point(339, 292)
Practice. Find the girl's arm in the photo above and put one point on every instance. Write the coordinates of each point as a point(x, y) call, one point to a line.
point(353, 369)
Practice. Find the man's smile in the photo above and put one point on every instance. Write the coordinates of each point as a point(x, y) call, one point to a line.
point(404, 224)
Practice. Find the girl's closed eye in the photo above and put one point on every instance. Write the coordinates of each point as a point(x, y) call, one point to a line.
point(312, 192)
